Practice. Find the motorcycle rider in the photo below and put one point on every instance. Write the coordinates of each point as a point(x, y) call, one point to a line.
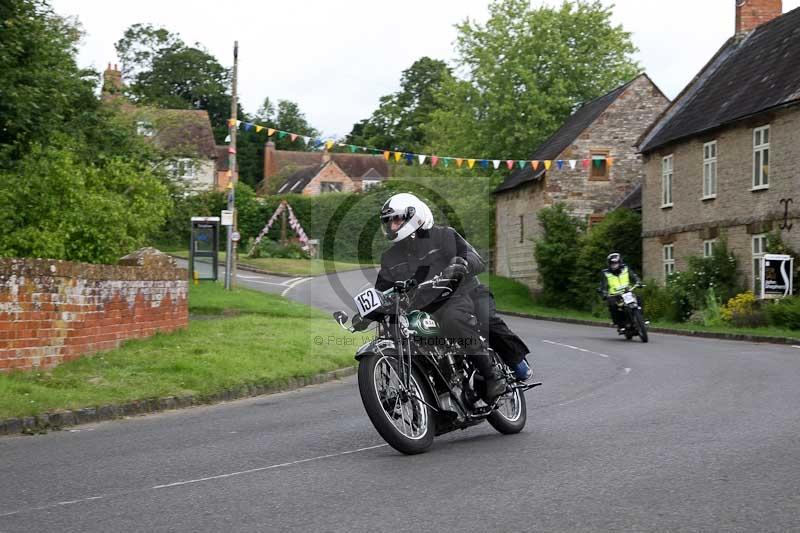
point(422, 250)
point(501, 339)
point(612, 280)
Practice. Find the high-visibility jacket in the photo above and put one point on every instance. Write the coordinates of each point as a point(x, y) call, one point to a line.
point(614, 283)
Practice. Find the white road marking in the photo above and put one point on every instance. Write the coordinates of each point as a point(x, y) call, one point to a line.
point(187, 482)
point(575, 348)
point(627, 370)
point(293, 285)
point(270, 467)
point(795, 346)
point(290, 281)
point(265, 282)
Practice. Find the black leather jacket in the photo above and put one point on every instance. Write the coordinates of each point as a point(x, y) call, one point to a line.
point(425, 254)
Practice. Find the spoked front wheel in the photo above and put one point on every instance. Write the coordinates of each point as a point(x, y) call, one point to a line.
point(511, 413)
point(396, 411)
point(641, 327)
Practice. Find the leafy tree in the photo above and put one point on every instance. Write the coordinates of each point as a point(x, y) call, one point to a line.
point(41, 86)
point(141, 44)
point(526, 70)
point(400, 118)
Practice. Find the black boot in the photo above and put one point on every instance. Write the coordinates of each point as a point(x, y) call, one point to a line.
point(495, 383)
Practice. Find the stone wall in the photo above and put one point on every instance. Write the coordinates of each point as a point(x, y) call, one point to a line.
point(54, 311)
point(331, 173)
point(737, 211)
point(614, 132)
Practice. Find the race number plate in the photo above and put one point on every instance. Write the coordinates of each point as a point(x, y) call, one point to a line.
point(628, 298)
point(367, 301)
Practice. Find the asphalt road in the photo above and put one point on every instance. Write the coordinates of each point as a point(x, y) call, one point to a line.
point(681, 434)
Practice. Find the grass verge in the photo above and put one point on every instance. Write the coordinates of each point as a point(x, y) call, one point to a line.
point(271, 340)
point(288, 267)
point(515, 297)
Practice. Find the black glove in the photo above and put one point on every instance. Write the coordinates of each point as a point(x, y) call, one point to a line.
point(457, 269)
point(359, 323)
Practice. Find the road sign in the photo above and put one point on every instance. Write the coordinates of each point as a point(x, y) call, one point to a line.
point(227, 217)
point(236, 236)
point(776, 276)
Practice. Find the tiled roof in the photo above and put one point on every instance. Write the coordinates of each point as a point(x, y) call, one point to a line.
point(634, 200)
point(749, 74)
point(184, 132)
point(298, 180)
point(562, 138)
point(354, 165)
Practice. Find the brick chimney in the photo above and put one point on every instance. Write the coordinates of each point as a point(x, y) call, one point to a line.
point(751, 14)
point(112, 83)
point(270, 163)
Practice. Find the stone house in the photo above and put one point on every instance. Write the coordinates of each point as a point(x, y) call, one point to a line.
point(314, 173)
point(184, 135)
point(599, 168)
point(723, 159)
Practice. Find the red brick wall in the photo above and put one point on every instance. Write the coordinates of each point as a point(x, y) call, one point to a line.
point(753, 13)
point(54, 311)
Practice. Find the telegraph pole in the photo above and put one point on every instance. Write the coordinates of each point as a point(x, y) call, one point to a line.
point(230, 249)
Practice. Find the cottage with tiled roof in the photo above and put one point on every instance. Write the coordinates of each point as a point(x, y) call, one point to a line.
point(185, 135)
point(602, 130)
point(723, 159)
point(313, 173)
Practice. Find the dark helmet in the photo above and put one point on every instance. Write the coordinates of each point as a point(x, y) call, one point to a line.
point(614, 261)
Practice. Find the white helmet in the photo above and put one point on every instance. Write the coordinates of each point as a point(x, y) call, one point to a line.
point(407, 208)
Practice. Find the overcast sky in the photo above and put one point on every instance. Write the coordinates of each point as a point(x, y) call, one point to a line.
point(336, 59)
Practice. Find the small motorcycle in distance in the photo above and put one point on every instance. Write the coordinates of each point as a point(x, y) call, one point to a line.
point(635, 324)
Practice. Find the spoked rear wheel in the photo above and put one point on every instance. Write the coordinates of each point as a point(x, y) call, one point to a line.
point(511, 413)
point(403, 421)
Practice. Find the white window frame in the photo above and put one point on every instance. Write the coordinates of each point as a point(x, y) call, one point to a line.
point(708, 247)
point(145, 128)
point(369, 184)
point(761, 140)
point(667, 173)
point(759, 244)
point(668, 259)
point(710, 170)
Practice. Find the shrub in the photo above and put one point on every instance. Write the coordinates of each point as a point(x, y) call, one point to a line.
point(711, 314)
point(743, 311)
point(270, 248)
point(784, 313)
point(664, 303)
point(557, 254)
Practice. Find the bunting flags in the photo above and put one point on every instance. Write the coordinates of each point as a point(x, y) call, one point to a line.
point(423, 159)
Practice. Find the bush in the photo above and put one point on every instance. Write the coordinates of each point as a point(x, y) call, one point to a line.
point(711, 314)
point(557, 254)
point(269, 248)
point(664, 303)
point(742, 311)
point(784, 313)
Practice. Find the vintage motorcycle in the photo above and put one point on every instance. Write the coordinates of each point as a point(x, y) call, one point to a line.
point(415, 384)
point(635, 324)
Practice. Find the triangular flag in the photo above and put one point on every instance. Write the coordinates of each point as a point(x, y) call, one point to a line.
point(560, 164)
point(398, 155)
point(609, 161)
point(293, 136)
point(470, 163)
point(421, 158)
point(238, 123)
point(270, 132)
point(409, 159)
point(231, 122)
point(353, 148)
point(597, 163)
point(259, 128)
point(547, 164)
point(496, 163)
point(386, 154)
point(282, 134)
point(227, 138)
point(485, 163)
point(521, 163)
point(447, 161)
point(231, 150)
point(328, 145)
point(459, 161)
point(342, 145)
point(585, 163)
point(535, 164)
point(510, 164)
point(434, 160)
point(572, 164)
point(307, 139)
